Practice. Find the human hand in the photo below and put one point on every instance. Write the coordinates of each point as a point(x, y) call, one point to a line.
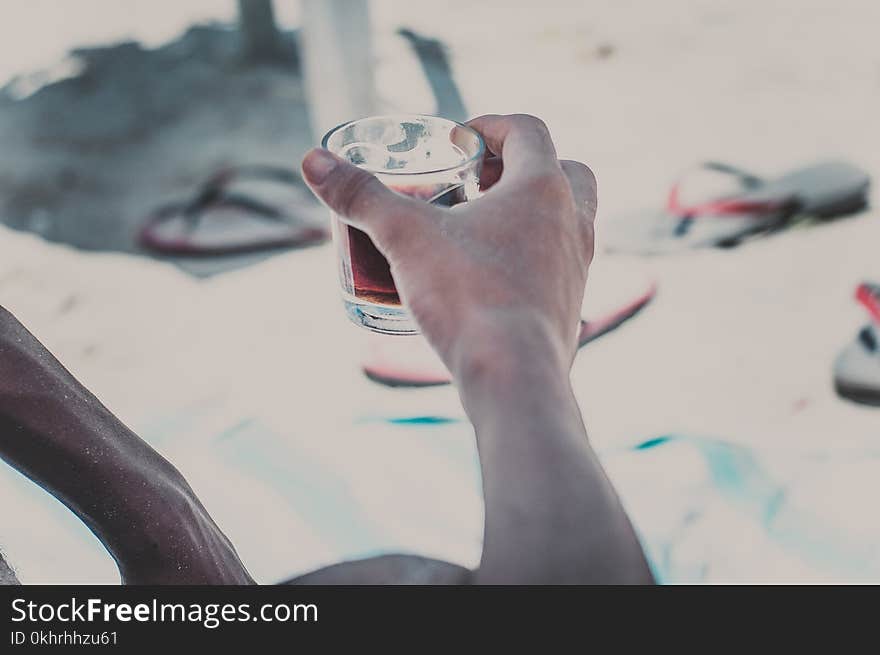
point(496, 277)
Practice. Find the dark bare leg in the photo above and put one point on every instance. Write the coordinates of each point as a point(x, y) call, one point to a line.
point(58, 434)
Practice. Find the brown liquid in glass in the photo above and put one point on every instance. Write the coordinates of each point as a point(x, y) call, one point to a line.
point(370, 271)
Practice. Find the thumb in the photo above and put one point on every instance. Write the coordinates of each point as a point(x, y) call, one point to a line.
point(358, 196)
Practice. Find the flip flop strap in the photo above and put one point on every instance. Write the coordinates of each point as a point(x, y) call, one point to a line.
point(723, 206)
point(869, 296)
point(749, 180)
point(214, 188)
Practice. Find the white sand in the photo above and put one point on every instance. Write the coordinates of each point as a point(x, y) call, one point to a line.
point(738, 345)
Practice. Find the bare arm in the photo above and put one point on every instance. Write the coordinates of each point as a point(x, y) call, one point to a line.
point(57, 433)
point(496, 286)
point(551, 516)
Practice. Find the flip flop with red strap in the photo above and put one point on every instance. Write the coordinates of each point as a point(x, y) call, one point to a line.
point(409, 361)
point(748, 205)
point(221, 219)
point(857, 368)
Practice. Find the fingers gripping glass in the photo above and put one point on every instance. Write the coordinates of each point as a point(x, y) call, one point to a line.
point(432, 159)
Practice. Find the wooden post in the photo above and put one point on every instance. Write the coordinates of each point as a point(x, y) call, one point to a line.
point(337, 58)
point(260, 39)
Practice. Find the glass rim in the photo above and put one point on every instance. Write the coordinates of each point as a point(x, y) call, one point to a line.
point(481, 149)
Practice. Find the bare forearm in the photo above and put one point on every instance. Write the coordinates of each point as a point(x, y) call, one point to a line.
point(551, 515)
point(57, 433)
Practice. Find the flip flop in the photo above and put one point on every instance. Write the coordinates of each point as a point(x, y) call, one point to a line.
point(748, 205)
point(857, 368)
point(413, 364)
point(238, 222)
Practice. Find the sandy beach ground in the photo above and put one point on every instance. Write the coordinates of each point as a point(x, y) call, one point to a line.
point(738, 345)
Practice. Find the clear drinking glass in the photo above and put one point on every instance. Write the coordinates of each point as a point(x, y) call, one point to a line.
point(433, 159)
